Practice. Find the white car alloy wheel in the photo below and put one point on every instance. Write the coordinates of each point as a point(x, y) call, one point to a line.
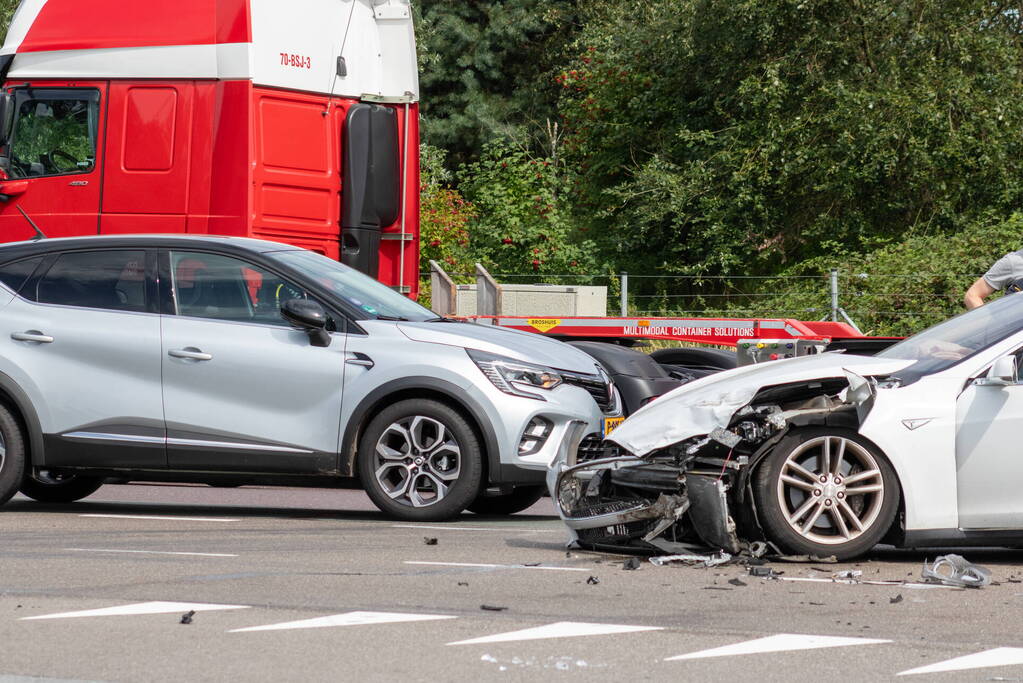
point(826, 491)
point(417, 460)
point(830, 490)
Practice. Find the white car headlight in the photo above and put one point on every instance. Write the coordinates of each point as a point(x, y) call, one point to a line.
point(512, 376)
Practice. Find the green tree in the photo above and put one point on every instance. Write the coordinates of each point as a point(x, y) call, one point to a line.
point(745, 135)
point(484, 71)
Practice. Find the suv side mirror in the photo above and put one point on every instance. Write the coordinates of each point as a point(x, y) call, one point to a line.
point(309, 316)
point(1003, 372)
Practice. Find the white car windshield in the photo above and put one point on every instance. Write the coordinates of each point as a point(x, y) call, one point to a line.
point(361, 291)
point(958, 338)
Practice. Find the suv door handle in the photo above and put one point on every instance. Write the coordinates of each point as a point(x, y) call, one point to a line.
point(361, 360)
point(32, 336)
point(190, 353)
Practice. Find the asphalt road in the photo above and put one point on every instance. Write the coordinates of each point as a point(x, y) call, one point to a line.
point(303, 584)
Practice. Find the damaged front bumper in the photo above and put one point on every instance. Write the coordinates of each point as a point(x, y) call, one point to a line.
point(643, 505)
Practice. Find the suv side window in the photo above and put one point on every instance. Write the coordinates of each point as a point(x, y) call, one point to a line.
point(15, 274)
point(114, 280)
point(54, 132)
point(226, 288)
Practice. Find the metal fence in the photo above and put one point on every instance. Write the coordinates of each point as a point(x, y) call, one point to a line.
point(877, 303)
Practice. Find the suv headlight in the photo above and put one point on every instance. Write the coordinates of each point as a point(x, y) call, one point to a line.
point(510, 375)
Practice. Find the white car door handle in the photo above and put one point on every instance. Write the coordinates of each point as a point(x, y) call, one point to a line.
point(32, 336)
point(190, 353)
point(360, 359)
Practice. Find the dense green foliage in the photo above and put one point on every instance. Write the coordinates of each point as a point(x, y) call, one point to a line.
point(741, 137)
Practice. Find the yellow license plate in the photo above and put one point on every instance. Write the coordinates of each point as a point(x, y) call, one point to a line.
point(610, 423)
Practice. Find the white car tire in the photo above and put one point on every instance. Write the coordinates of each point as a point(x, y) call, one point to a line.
point(826, 491)
point(12, 454)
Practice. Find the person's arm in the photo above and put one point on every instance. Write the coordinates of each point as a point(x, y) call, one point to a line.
point(976, 294)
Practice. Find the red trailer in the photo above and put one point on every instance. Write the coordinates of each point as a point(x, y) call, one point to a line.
point(295, 122)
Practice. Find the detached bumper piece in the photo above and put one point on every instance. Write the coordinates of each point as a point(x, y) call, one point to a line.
point(644, 505)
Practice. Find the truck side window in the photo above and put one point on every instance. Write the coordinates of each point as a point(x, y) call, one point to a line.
point(54, 132)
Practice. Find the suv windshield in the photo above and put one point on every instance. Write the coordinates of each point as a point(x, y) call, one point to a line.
point(361, 291)
point(959, 338)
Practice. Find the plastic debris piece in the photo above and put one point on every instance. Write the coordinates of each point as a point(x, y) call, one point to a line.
point(489, 658)
point(693, 559)
point(956, 570)
point(430, 540)
point(593, 581)
point(830, 559)
point(493, 608)
point(896, 600)
point(764, 572)
point(530, 564)
point(186, 618)
point(631, 564)
point(847, 574)
point(737, 582)
point(463, 583)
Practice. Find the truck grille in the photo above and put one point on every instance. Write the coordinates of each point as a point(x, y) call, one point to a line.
point(598, 388)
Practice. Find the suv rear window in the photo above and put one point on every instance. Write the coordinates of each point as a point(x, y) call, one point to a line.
point(114, 280)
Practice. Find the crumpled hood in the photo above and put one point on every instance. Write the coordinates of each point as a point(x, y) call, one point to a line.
point(700, 406)
point(524, 346)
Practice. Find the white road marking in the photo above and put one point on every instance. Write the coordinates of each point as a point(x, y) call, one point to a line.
point(173, 519)
point(147, 552)
point(1000, 656)
point(781, 642)
point(139, 608)
point(561, 629)
point(473, 528)
point(346, 619)
point(868, 582)
point(497, 566)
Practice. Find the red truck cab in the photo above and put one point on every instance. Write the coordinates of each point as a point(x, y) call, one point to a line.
point(295, 122)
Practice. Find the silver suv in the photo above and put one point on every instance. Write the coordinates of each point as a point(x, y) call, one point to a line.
point(236, 361)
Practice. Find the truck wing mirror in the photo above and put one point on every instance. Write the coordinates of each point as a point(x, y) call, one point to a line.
point(6, 117)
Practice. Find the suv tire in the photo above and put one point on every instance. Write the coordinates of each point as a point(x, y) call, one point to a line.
point(420, 460)
point(55, 489)
point(520, 498)
point(12, 454)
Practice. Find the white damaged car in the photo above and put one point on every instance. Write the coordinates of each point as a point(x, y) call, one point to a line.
point(830, 454)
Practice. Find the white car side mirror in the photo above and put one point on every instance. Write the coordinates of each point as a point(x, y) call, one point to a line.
point(1002, 372)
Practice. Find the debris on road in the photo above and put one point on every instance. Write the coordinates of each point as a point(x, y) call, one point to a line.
point(631, 564)
point(186, 618)
point(896, 600)
point(592, 581)
point(492, 608)
point(693, 559)
point(847, 574)
point(956, 570)
point(463, 583)
point(764, 572)
point(737, 582)
point(430, 540)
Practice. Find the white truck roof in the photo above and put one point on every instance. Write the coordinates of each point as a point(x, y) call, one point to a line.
point(295, 44)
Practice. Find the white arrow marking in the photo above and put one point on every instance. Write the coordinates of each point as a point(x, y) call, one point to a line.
point(346, 619)
point(1000, 656)
point(778, 643)
point(561, 629)
point(140, 608)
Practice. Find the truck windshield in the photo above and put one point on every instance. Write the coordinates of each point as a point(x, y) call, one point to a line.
point(361, 291)
point(959, 338)
point(54, 132)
